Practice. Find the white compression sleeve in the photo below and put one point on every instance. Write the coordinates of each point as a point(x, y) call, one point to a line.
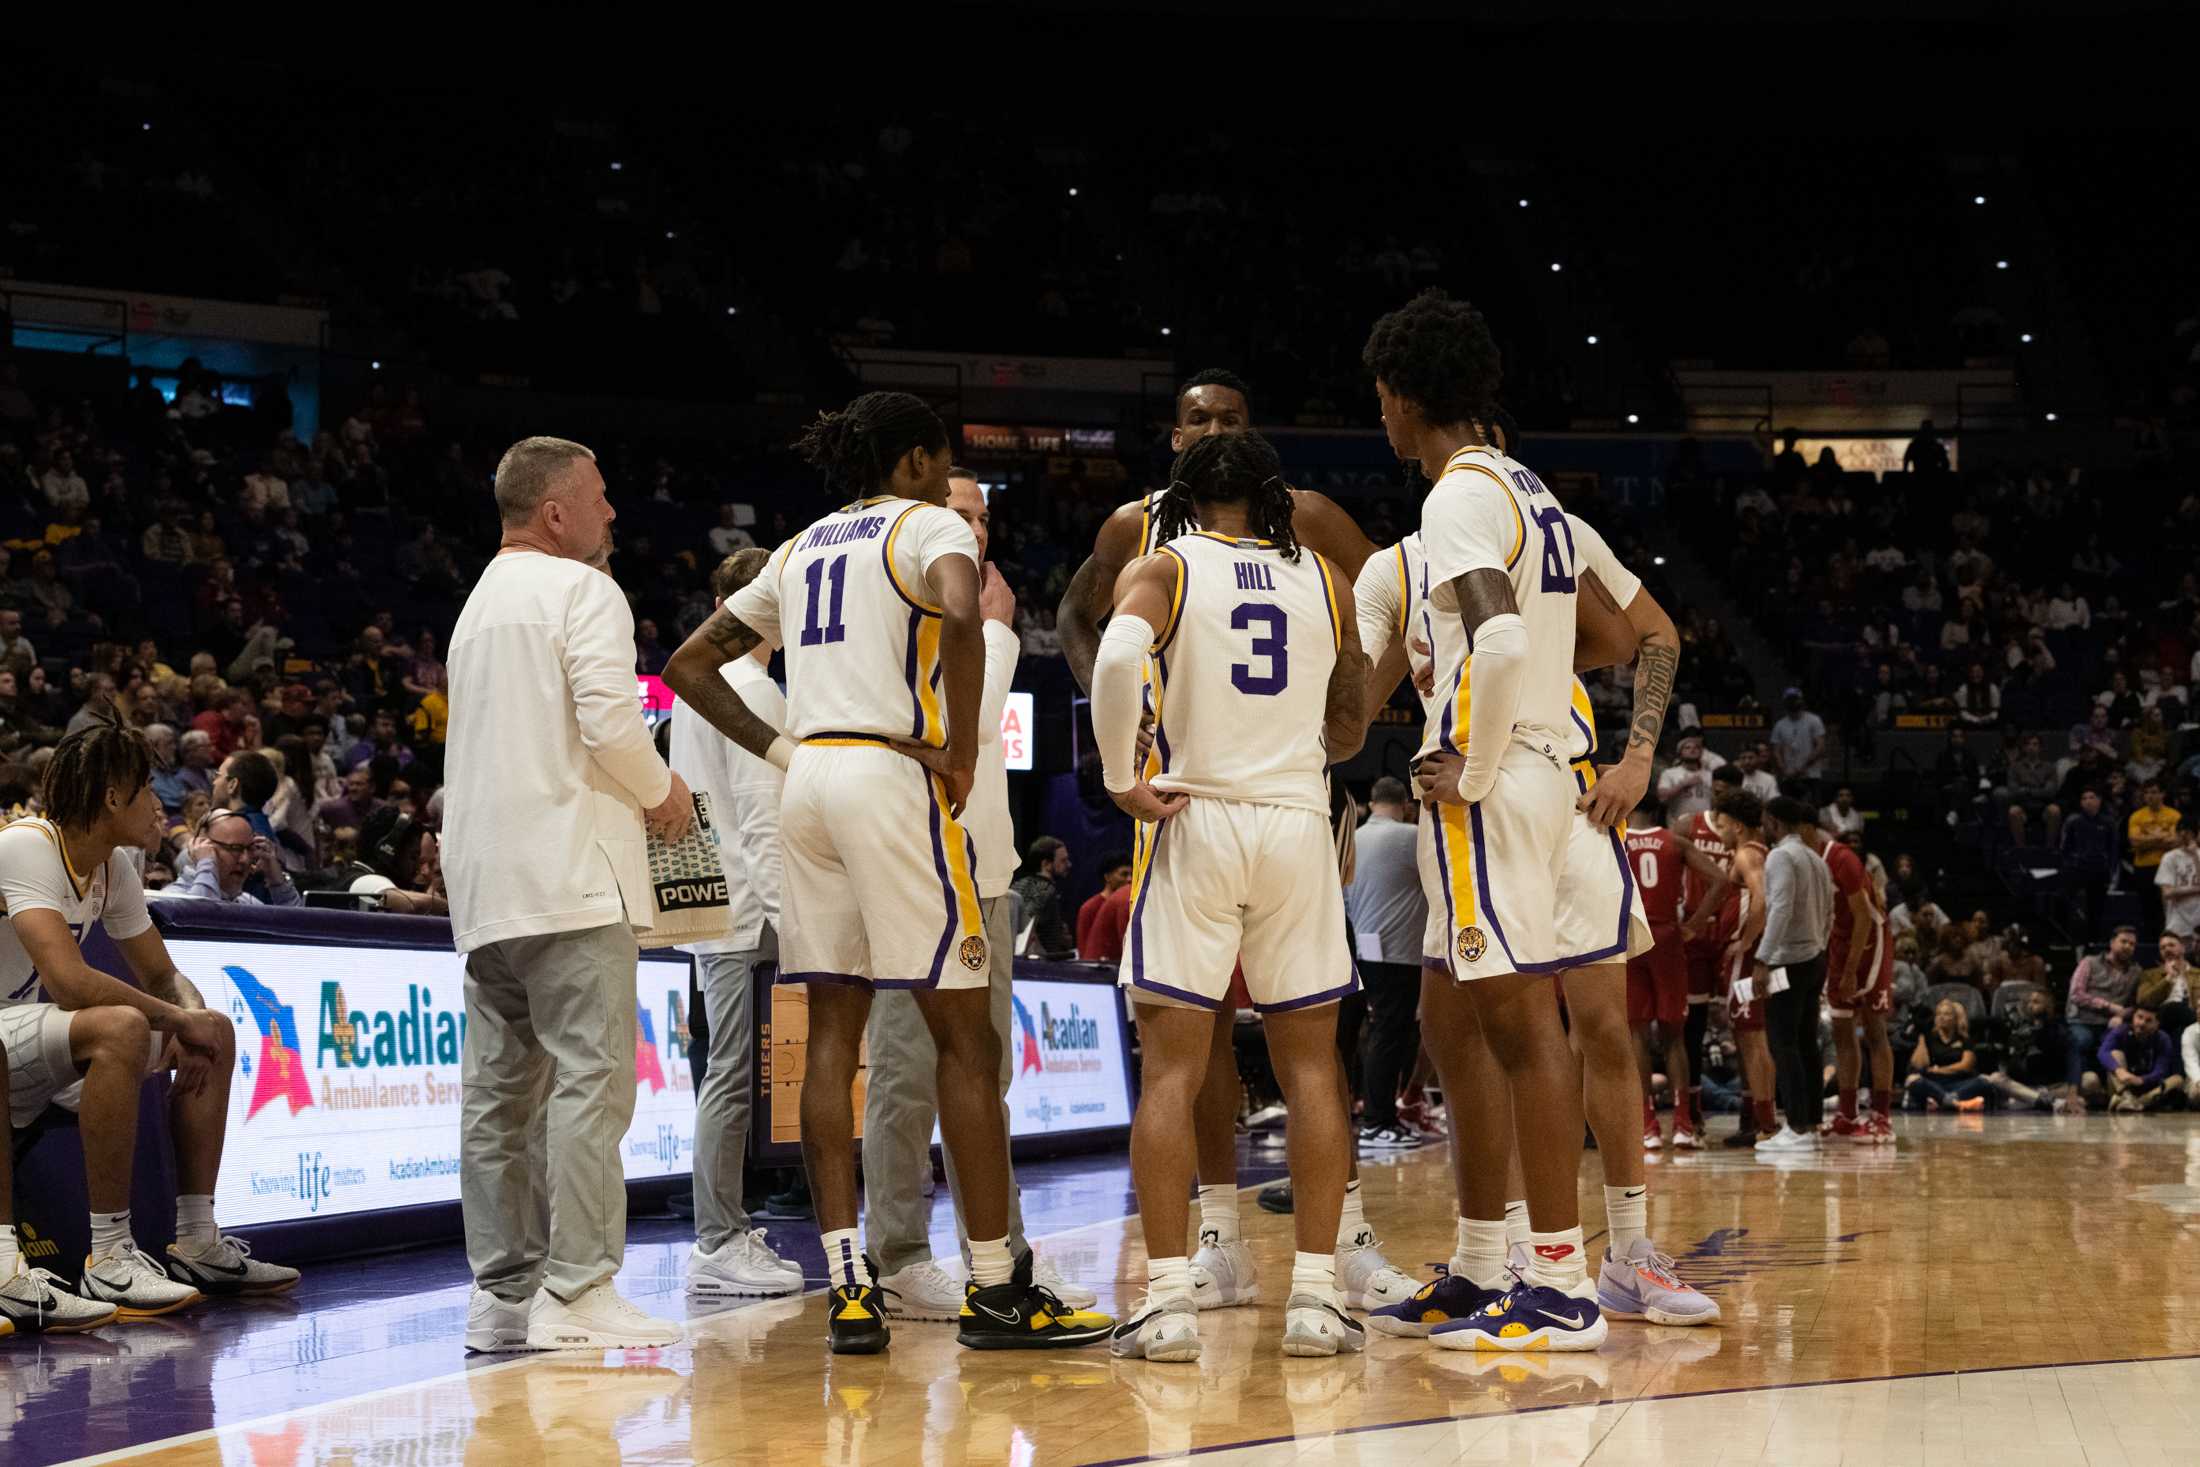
point(1117, 698)
point(1500, 662)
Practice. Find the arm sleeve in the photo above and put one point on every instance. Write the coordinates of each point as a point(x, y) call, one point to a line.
point(1378, 595)
point(1591, 553)
point(126, 915)
point(755, 786)
point(599, 671)
point(1001, 652)
point(1117, 700)
point(756, 605)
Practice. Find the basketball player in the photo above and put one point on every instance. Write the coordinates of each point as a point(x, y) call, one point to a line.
point(1504, 796)
point(1859, 990)
point(1657, 981)
point(85, 1041)
point(876, 606)
point(1739, 816)
point(1701, 946)
point(1257, 684)
point(1210, 402)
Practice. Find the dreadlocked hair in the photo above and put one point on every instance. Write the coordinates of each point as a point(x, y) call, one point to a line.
point(858, 446)
point(1229, 468)
point(102, 756)
point(1438, 353)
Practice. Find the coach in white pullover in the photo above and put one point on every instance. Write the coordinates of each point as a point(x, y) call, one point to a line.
point(550, 774)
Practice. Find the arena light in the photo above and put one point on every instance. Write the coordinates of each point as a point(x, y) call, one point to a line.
point(1556, 267)
point(1592, 341)
point(377, 366)
point(1634, 417)
point(616, 165)
point(670, 235)
point(733, 310)
point(2026, 338)
point(2001, 264)
point(1657, 560)
point(1164, 331)
point(1978, 198)
point(2050, 417)
point(1073, 193)
point(145, 127)
point(1523, 203)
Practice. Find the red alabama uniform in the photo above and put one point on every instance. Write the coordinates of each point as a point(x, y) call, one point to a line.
point(1657, 981)
point(1702, 951)
point(1874, 989)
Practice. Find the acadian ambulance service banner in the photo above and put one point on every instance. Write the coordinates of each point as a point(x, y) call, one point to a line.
point(1066, 1060)
point(348, 1078)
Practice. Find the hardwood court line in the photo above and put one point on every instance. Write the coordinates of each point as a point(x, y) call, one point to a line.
point(1736, 1390)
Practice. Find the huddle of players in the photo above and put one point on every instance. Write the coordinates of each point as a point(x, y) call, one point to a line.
point(1703, 887)
point(1237, 642)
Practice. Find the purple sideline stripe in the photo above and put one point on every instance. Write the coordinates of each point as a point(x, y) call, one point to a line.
point(1443, 870)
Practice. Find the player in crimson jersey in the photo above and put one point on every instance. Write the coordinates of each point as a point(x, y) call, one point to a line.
point(1859, 990)
point(1657, 981)
point(1738, 816)
point(1701, 943)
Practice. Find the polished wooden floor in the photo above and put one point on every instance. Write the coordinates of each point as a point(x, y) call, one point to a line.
point(2008, 1290)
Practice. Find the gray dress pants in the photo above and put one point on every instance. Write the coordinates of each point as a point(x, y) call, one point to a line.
point(549, 1076)
point(901, 1104)
point(728, 982)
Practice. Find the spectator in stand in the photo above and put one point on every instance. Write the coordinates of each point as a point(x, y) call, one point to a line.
point(1756, 778)
point(166, 541)
point(17, 715)
point(1926, 454)
point(2034, 1051)
point(381, 742)
point(1799, 742)
point(1957, 772)
point(1039, 894)
point(226, 854)
point(1110, 926)
point(649, 656)
point(2089, 854)
point(727, 536)
point(243, 785)
point(398, 866)
point(1115, 873)
point(290, 811)
point(431, 720)
point(16, 650)
point(354, 805)
point(2027, 787)
point(2140, 1063)
point(99, 705)
point(2152, 829)
point(2067, 610)
point(64, 487)
point(2119, 705)
point(1978, 702)
point(188, 776)
point(2102, 991)
point(2167, 988)
point(2177, 885)
point(1685, 786)
point(223, 721)
point(1944, 1068)
point(1841, 819)
point(2149, 746)
point(1388, 910)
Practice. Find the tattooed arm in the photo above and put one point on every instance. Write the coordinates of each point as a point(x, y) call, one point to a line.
point(1616, 592)
point(693, 676)
point(1345, 719)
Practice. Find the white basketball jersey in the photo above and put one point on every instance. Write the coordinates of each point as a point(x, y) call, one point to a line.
point(1490, 512)
point(1241, 673)
point(1391, 596)
point(847, 599)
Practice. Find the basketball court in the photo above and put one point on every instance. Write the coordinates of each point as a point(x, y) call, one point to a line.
point(2015, 1290)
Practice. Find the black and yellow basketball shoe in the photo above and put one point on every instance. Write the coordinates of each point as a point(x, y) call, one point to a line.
point(855, 1319)
point(1020, 1315)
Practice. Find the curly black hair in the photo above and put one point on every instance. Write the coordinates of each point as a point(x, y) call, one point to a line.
point(1439, 353)
point(100, 757)
point(1229, 468)
point(858, 446)
point(1215, 377)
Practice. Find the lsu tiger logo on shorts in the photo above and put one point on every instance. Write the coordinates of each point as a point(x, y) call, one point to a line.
point(972, 953)
point(1472, 944)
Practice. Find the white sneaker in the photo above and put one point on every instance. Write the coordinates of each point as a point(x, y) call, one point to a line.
point(1783, 1139)
point(1366, 1280)
point(923, 1290)
point(226, 1266)
point(138, 1287)
point(1048, 1277)
point(746, 1267)
point(492, 1324)
point(1159, 1329)
point(1222, 1274)
point(36, 1302)
point(598, 1320)
point(1313, 1326)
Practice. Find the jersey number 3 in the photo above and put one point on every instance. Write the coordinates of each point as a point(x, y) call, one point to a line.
point(1270, 648)
point(832, 629)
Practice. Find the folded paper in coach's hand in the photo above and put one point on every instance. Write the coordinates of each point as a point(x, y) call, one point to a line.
point(687, 885)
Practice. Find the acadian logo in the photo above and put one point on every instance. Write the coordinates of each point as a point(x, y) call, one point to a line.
point(417, 1034)
point(1070, 1042)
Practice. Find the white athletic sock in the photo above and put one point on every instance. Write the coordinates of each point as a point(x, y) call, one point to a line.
point(10, 1259)
point(195, 1230)
point(1218, 1213)
point(1556, 1261)
point(1516, 1223)
point(1316, 1274)
point(110, 1233)
point(1478, 1255)
point(1352, 1228)
point(844, 1263)
point(1168, 1278)
point(1627, 1214)
point(990, 1263)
